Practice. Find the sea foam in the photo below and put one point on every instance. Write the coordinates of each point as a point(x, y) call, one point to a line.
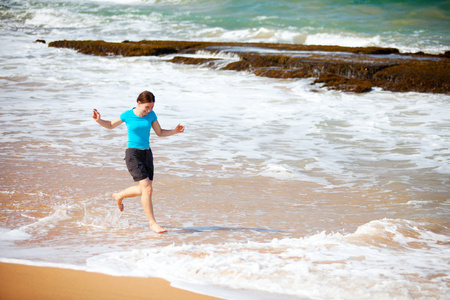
point(321, 265)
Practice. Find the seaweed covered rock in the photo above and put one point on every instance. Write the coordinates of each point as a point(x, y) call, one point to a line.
point(351, 69)
point(419, 76)
point(193, 60)
point(341, 83)
point(126, 48)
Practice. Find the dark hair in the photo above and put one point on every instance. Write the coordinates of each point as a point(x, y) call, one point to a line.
point(146, 97)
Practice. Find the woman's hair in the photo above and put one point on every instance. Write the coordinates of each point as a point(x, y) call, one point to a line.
point(146, 97)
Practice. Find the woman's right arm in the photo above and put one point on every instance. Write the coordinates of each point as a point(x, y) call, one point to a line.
point(107, 124)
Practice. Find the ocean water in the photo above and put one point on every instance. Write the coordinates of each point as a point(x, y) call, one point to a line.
point(278, 189)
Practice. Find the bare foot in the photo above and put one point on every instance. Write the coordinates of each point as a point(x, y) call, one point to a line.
point(156, 228)
point(119, 201)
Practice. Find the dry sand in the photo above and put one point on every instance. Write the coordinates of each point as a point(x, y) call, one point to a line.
point(30, 282)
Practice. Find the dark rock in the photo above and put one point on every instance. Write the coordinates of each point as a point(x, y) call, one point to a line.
point(194, 61)
point(352, 69)
point(341, 83)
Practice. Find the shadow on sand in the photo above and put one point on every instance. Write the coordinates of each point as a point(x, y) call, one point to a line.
point(220, 228)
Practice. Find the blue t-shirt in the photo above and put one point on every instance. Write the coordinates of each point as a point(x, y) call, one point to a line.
point(138, 128)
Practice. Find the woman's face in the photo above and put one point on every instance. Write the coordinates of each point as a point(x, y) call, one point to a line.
point(145, 108)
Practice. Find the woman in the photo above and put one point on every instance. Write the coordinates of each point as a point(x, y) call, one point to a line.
point(138, 155)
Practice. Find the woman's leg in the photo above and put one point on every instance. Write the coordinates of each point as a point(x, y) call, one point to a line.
point(132, 191)
point(145, 190)
point(146, 200)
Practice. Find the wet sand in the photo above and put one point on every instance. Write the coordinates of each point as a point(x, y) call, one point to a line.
point(30, 282)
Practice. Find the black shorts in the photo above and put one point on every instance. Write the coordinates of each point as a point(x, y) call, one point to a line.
point(139, 163)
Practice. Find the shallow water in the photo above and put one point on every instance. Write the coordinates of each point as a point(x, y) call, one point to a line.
point(276, 187)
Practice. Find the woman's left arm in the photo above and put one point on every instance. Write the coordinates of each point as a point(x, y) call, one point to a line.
point(164, 132)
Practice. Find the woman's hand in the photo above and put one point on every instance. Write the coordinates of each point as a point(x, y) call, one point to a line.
point(179, 128)
point(95, 115)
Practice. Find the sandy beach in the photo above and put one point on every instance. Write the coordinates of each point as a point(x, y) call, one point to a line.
point(31, 282)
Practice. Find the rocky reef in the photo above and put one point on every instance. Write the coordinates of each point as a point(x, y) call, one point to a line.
point(350, 69)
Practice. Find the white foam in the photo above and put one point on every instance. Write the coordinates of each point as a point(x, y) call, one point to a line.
point(321, 265)
point(358, 40)
point(13, 235)
point(42, 225)
point(218, 55)
point(262, 34)
point(110, 220)
point(418, 203)
point(59, 18)
point(285, 172)
point(41, 264)
point(348, 40)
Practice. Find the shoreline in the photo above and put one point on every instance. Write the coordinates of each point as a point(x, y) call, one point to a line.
point(19, 281)
point(349, 69)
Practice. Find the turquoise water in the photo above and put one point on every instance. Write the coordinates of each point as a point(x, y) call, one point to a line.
point(408, 25)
